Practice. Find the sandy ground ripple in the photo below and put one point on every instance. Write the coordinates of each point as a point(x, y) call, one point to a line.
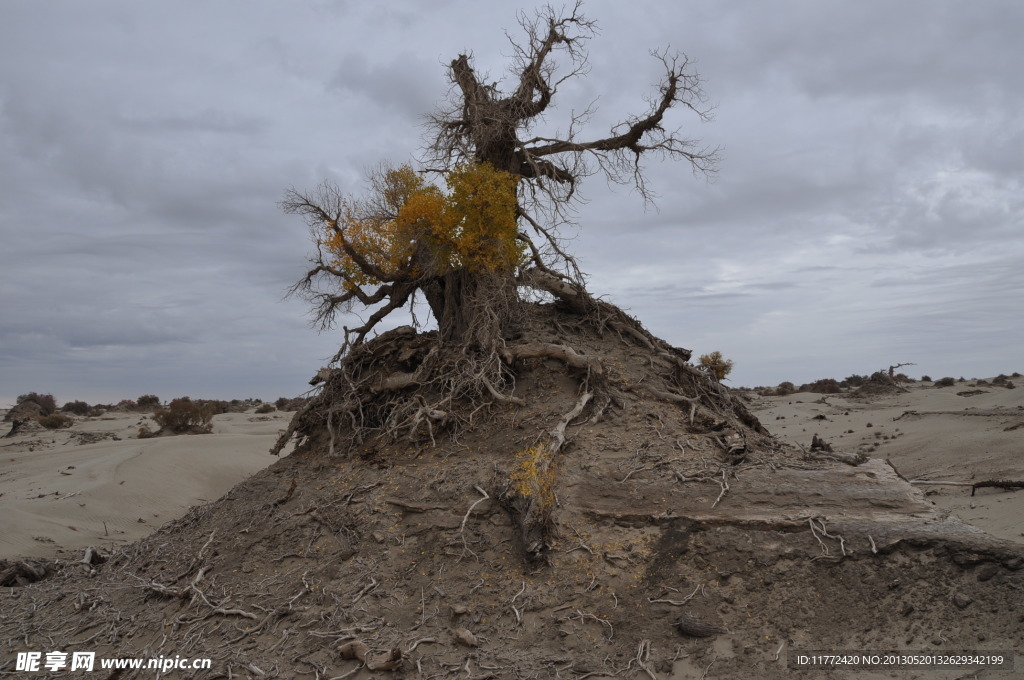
point(97, 484)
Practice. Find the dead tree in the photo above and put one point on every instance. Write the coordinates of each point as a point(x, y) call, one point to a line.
point(480, 121)
point(483, 124)
point(892, 369)
point(379, 254)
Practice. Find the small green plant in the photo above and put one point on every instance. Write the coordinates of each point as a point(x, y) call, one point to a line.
point(183, 415)
point(716, 364)
point(56, 421)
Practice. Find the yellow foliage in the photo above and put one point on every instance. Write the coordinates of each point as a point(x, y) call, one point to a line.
point(534, 476)
point(407, 225)
point(482, 215)
point(716, 364)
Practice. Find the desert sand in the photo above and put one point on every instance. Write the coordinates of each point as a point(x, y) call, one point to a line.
point(927, 433)
point(97, 484)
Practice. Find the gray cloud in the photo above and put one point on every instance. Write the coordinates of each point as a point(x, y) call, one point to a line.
point(868, 207)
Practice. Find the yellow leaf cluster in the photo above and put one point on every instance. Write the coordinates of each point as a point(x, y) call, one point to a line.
point(716, 364)
point(408, 228)
point(534, 476)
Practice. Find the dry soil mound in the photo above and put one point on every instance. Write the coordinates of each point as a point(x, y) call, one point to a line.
point(684, 543)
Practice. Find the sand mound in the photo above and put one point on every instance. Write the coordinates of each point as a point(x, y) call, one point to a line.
point(684, 543)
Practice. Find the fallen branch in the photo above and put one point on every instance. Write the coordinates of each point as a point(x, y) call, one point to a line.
point(581, 615)
point(725, 487)
point(677, 398)
point(998, 484)
point(988, 484)
point(548, 350)
point(485, 495)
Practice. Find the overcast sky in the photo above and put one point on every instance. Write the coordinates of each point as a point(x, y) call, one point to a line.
point(867, 210)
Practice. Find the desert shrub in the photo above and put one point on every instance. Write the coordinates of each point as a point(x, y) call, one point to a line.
point(149, 402)
point(47, 404)
point(945, 382)
point(146, 433)
point(903, 377)
point(926, 378)
point(266, 408)
point(823, 386)
point(1015, 374)
point(56, 421)
point(215, 406)
point(854, 380)
point(716, 364)
point(79, 408)
point(184, 415)
point(286, 404)
point(784, 388)
point(534, 477)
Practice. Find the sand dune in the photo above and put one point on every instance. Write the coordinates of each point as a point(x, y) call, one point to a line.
point(56, 492)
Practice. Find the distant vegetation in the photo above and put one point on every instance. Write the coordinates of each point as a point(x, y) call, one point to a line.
point(46, 402)
point(181, 416)
point(184, 416)
point(716, 365)
point(871, 382)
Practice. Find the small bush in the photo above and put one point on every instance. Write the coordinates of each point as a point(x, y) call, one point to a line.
point(146, 433)
point(149, 402)
point(184, 415)
point(945, 382)
point(215, 406)
point(926, 378)
point(716, 364)
point(47, 403)
point(854, 380)
point(784, 389)
point(79, 408)
point(823, 386)
point(56, 421)
point(534, 477)
point(266, 408)
point(286, 404)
